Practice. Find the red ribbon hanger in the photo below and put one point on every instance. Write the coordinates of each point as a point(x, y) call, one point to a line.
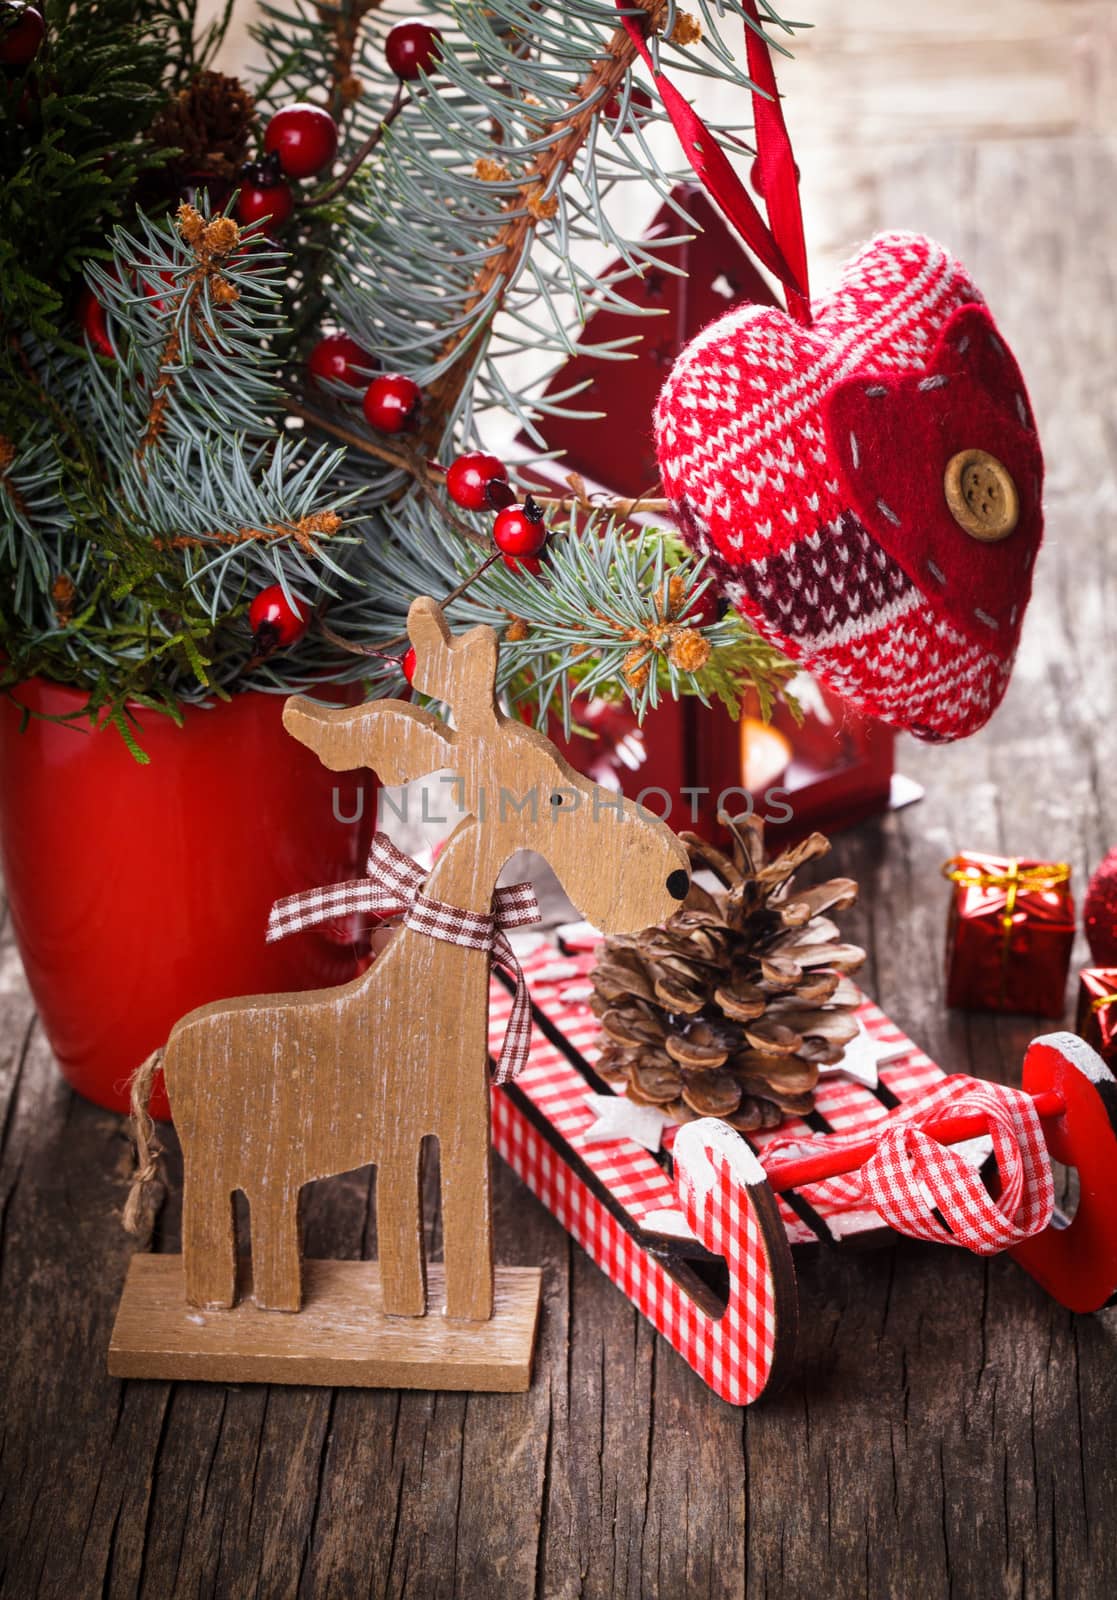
point(778, 243)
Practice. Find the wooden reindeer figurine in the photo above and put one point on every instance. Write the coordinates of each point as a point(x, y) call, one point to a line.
point(271, 1092)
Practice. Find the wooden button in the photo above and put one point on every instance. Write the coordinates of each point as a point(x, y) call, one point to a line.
point(981, 495)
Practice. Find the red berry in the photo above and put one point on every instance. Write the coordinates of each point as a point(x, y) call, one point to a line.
point(21, 35)
point(412, 48)
point(94, 321)
point(469, 477)
point(275, 621)
point(520, 530)
point(703, 612)
point(391, 403)
point(339, 359)
point(304, 137)
point(258, 200)
point(530, 564)
point(408, 663)
point(152, 291)
point(756, 177)
point(638, 100)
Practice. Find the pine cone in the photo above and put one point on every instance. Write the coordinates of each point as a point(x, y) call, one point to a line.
point(210, 123)
point(729, 1009)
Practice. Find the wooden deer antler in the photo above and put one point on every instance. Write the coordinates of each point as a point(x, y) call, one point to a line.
point(461, 672)
point(399, 741)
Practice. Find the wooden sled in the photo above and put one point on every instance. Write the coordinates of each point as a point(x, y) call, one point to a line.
point(700, 1238)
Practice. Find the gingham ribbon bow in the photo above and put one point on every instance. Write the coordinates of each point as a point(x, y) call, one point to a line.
point(911, 1176)
point(393, 888)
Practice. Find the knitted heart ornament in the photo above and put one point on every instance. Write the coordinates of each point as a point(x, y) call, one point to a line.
point(867, 488)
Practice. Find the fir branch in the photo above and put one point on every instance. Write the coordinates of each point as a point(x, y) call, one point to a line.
point(74, 145)
point(212, 243)
point(347, 17)
point(157, 491)
point(323, 524)
point(566, 136)
point(7, 480)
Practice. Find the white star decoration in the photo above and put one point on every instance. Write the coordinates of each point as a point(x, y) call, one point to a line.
point(621, 1118)
point(863, 1058)
point(670, 1222)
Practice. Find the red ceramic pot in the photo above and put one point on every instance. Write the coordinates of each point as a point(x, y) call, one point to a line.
point(139, 892)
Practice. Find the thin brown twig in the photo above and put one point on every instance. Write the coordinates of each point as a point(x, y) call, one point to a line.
point(581, 500)
point(466, 583)
point(344, 88)
point(384, 651)
point(618, 505)
point(359, 156)
point(358, 441)
point(649, 501)
point(213, 241)
point(419, 469)
point(351, 645)
point(319, 524)
point(161, 391)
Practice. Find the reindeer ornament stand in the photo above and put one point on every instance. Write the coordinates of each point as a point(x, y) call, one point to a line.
point(272, 1092)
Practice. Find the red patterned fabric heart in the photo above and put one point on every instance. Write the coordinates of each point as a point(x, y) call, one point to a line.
point(868, 488)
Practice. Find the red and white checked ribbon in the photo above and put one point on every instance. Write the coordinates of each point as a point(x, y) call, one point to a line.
point(911, 1175)
point(393, 888)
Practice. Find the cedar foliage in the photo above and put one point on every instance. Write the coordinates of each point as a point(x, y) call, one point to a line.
point(73, 145)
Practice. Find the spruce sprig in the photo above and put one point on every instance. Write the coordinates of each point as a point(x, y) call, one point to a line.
point(145, 499)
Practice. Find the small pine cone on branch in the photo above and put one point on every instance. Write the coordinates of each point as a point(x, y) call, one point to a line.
point(729, 1009)
point(210, 124)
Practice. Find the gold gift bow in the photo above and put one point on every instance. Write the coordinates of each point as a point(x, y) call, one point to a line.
point(1013, 878)
point(1102, 1001)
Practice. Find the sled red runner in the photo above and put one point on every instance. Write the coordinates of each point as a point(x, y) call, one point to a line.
point(700, 1239)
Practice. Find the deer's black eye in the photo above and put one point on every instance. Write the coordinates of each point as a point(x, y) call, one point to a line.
point(678, 884)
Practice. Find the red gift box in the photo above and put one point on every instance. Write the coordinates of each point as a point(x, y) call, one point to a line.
point(1096, 1021)
point(1009, 935)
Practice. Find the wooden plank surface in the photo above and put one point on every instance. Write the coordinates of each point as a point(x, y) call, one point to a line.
point(341, 1336)
point(949, 1431)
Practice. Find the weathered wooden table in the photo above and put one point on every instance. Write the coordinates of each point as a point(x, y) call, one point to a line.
point(948, 1429)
